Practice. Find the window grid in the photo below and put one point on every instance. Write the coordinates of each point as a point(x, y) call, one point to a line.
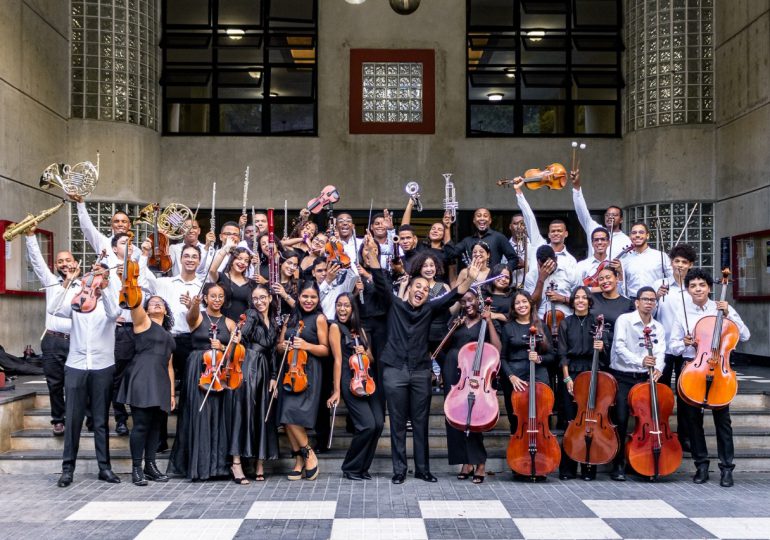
point(669, 63)
point(114, 61)
point(101, 214)
point(673, 216)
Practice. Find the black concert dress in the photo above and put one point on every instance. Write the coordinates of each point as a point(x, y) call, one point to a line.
point(145, 381)
point(239, 296)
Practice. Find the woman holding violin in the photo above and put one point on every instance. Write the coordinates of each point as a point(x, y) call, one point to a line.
point(148, 385)
point(304, 341)
point(250, 436)
point(286, 290)
point(354, 380)
point(467, 450)
point(234, 278)
point(200, 447)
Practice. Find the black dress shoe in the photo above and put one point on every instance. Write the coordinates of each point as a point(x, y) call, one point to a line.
point(567, 476)
point(366, 476)
point(137, 476)
point(121, 429)
point(618, 474)
point(108, 476)
point(727, 478)
point(65, 479)
point(352, 476)
point(152, 472)
point(701, 475)
point(588, 472)
point(398, 478)
point(428, 477)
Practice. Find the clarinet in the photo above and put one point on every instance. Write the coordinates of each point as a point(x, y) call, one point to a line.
point(273, 267)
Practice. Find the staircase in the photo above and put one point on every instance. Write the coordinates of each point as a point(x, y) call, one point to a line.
point(31, 448)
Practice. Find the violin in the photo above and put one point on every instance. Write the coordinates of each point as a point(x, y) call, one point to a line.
point(653, 450)
point(708, 380)
point(130, 293)
point(232, 359)
point(553, 177)
point(329, 195)
point(593, 279)
point(335, 252)
point(592, 438)
point(471, 405)
point(159, 259)
point(90, 289)
point(212, 360)
point(361, 381)
point(553, 317)
point(533, 450)
point(295, 378)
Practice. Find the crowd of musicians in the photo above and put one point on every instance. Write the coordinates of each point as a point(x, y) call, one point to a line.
point(246, 335)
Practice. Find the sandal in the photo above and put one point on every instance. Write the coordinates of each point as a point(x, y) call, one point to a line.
point(464, 475)
point(310, 474)
point(260, 478)
point(296, 474)
point(478, 479)
point(242, 481)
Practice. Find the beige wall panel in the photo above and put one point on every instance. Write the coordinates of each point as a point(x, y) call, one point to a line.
point(731, 79)
point(743, 153)
point(758, 67)
point(10, 30)
point(731, 16)
point(55, 12)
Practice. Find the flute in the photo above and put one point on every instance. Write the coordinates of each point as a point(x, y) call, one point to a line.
point(245, 198)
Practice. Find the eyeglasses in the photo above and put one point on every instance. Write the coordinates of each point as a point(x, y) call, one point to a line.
point(344, 220)
point(261, 298)
point(612, 214)
point(647, 299)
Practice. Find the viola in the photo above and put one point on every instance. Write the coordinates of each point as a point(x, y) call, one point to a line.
point(708, 380)
point(471, 405)
point(593, 279)
point(553, 317)
point(554, 176)
point(533, 450)
point(329, 195)
point(90, 289)
point(653, 450)
point(131, 292)
point(232, 360)
point(159, 259)
point(295, 378)
point(210, 379)
point(591, 437)
point(361, 381)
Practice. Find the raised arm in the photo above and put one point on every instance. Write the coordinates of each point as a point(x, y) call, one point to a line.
point(39, 266)
point(97, 240)
point(581, 208)
point(110, 295)
point(535, 238)
point(406, 219)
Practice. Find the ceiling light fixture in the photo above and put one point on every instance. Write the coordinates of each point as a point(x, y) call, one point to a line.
point(254, 74)
point(235, 33)
point(535, 35)
point(510, 73)
point(355, 2)
point(495, 96)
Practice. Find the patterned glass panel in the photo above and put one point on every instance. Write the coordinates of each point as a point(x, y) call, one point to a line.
point(392, 92)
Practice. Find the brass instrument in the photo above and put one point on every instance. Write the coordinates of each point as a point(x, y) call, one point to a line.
point(172, 222)
point(450, 200)
point(28, 222)
point(79, 179)
point(413, 190)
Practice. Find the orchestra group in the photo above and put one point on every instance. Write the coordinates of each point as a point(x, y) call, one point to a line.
point(246, 335)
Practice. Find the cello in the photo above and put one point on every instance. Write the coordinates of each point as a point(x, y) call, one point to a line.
point(653, 450)
point(554, 176)
point(533, 450)
point(295, 378)
point(361, 381)
point(591, 438)
point(471, 405)
point(708, 380)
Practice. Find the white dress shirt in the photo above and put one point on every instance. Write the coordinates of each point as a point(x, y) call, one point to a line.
point(175, 251)
point(519, 275)
point(628, 350)
point(53, 286)
point(669, 308)
point(330, 292)
point(619, 238)
point(171, 290)
point(566, 281)
point(92, 339)
point(97, 240)
point(351, 248)
point(644, 269)
point(694, 314)
point(563, 257)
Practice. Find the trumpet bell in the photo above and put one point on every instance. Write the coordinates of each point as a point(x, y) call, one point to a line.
point(412, 188)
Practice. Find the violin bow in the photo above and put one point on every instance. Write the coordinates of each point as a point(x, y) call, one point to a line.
point(661, 248)
point(331, 431)
point(686, 223)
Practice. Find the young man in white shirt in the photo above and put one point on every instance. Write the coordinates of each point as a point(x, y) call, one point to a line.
point(89, 373)
point(699, 283)
point(189, 239)
point(644, 265)
point(56, 340)
point(630, 363)
point(120, 223)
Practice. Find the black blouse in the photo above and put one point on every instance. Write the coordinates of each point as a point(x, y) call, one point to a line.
point(576, 342)
point(514, 357)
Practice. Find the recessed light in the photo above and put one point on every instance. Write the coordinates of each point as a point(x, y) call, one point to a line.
point(536, 35)
point(254, 74)
point(235, 33)
point(495, 96)
point(510, 73)
point(355, 1)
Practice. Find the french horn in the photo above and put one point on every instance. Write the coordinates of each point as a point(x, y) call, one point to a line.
point(79, 179)
point(172, 222)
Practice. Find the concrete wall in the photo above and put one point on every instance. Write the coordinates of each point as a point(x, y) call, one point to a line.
point(742, 139)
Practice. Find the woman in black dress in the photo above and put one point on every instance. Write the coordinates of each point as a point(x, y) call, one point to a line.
point(611, 304)
point(250, 436)
point(576, 346)
point(501, 293)
point(286, 289)
point(365, 413)
point(233, 279)
point(148, 385)
point(298, 411)
point(469, 450)
point(515, 355)
point(200, 447)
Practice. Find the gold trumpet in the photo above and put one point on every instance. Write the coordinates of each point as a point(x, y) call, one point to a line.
point(172, 222)
point(28, 222)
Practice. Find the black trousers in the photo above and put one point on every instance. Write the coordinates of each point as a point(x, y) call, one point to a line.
point(84, 387)
point(145, 433)
point(724, 429)
point(377, 330)
point(368, 419)
point(124, 353)
point(408, 394)
point(55, 350)
point(507, 388)
point(674, 367)
point(626, 380)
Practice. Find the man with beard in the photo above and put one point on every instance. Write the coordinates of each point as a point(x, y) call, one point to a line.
point(120, 223)
point(497, 242)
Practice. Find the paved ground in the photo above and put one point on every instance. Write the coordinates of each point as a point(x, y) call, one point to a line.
point(331, 507)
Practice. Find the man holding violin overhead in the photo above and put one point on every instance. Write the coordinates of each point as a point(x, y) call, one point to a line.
point(699, 283)
point(613, 219)
point(90, 367)
point(497, 242)
point(55, 344)
point(120, 223)
point(629, 363)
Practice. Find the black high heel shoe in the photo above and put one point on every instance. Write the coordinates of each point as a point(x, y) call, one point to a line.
point(310, 474)
point(242, 481)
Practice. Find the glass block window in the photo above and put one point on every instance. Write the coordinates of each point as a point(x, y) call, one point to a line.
point(115, 61)
point(673, 216)
point(669, 63)
point(543, 68)
point(392, 92)
point(101, 214)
